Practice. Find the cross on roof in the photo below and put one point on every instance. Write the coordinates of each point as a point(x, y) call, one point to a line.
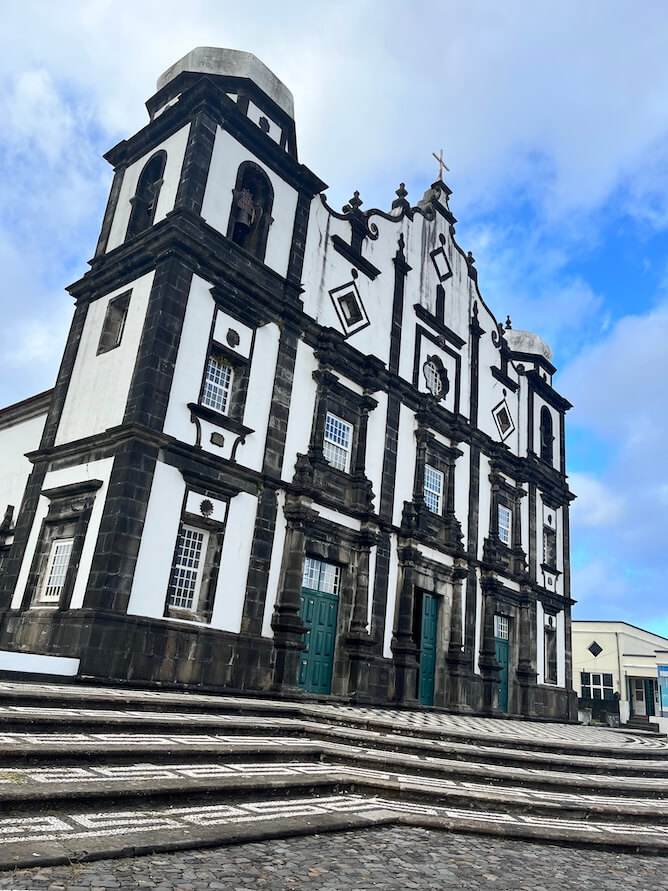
point(441, 165)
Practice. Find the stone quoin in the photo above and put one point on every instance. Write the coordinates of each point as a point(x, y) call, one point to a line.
point(288, 448)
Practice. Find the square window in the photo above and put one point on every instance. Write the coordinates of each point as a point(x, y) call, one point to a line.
point(586, 692)
point(187, 568)
point(607, 680)
point(596, 679)
point(505, 524)
point(584, 677)
point(433, 488)
point(503, 419)
point(217, 383)
point(56, 570)
point(337, 442)
point(320, 576)
point(114, 323)
point(501, 627)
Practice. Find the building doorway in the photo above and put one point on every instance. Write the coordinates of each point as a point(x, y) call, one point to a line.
point(501, 640)
point(319, 612)
point(428, 624)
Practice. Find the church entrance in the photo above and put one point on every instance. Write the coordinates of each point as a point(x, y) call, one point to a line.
point(501, 636)
point(319, 612)
point(428, 625)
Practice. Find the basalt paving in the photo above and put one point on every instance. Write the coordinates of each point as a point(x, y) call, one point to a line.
point(88, 773)
point(392, 858)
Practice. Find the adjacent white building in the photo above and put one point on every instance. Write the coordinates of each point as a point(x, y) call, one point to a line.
point(289, 448)
point(614, 662)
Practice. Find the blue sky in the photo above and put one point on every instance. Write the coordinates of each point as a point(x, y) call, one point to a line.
point(554, 121)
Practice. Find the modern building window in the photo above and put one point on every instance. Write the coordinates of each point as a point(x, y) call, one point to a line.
point(114, 323)
point(505, 524)
point(217, 383)
point(186, 578)
point(433, 489)
point(337, 442)
point(56, 570)
point(596, 686)
point(145, 200)
point(546, 435)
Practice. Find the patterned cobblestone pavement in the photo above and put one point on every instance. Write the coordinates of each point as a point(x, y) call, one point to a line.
point(394, 859)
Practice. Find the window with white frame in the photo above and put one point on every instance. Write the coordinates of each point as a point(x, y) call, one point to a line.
point(56, 570)
point(505, 524)
point(433, 488)
point(217, 383)
point(321, 576)
point(186, 579)
point(501, 627)
point(596, 686)
point(337, 442)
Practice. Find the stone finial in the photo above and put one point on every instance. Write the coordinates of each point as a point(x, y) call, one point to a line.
point(509, 325)
point(354, 203)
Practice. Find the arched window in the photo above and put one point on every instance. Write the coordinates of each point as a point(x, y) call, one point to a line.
point(145, 198)
point(250, 218)
point(546, 436)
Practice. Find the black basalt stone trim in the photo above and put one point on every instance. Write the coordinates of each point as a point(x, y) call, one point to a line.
point(154, 367)
point(380, 589)
point(265, 521)
point(504, 379)
point(546, 392)
point(121, 527)
point(110, 212)
point(196, 163)
point(342, 247)
point(425, 316)
point(476, 331)
point(298, 243)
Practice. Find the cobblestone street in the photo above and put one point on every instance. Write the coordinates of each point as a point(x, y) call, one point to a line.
point(395, 859)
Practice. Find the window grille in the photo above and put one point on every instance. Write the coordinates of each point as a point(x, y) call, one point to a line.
point(56, 569)
point(337, 442)
point(187, 568)
point(596, 686)
point(319, 576)
point(433, 488)
point(505, 522)
point(432, 376)
point(217, 383)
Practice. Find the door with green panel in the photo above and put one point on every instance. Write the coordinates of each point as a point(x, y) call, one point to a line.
point(319, 612)
point(428, 626)
point(501, 640)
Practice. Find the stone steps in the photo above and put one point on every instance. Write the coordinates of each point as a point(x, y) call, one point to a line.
point(99, 775)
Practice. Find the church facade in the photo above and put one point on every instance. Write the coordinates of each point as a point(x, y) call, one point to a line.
point(289, 449)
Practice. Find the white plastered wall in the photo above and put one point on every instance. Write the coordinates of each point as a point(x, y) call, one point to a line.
point(231, 587)
point(175, 146)
point(228, 155)
point(161, 526)
point(99, 386)
point(94, 470)
point(405, 462)
point(302, 403)
point(392, 597)
point(273, 582)
point(15, 440)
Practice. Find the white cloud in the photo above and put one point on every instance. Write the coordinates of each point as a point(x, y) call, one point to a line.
point(596, 504)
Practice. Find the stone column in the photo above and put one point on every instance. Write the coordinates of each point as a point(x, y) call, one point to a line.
point(526, 663)
point(404, 647)
point(489, 665)
point(456, 658)
point(286, 621)
point(359, 643)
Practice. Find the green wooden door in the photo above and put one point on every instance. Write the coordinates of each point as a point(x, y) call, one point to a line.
point(501, 647)
point(428, 649)
point(319, 612)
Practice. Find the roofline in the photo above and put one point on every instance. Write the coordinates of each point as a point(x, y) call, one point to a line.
point(26, 408)
point(617, 622)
